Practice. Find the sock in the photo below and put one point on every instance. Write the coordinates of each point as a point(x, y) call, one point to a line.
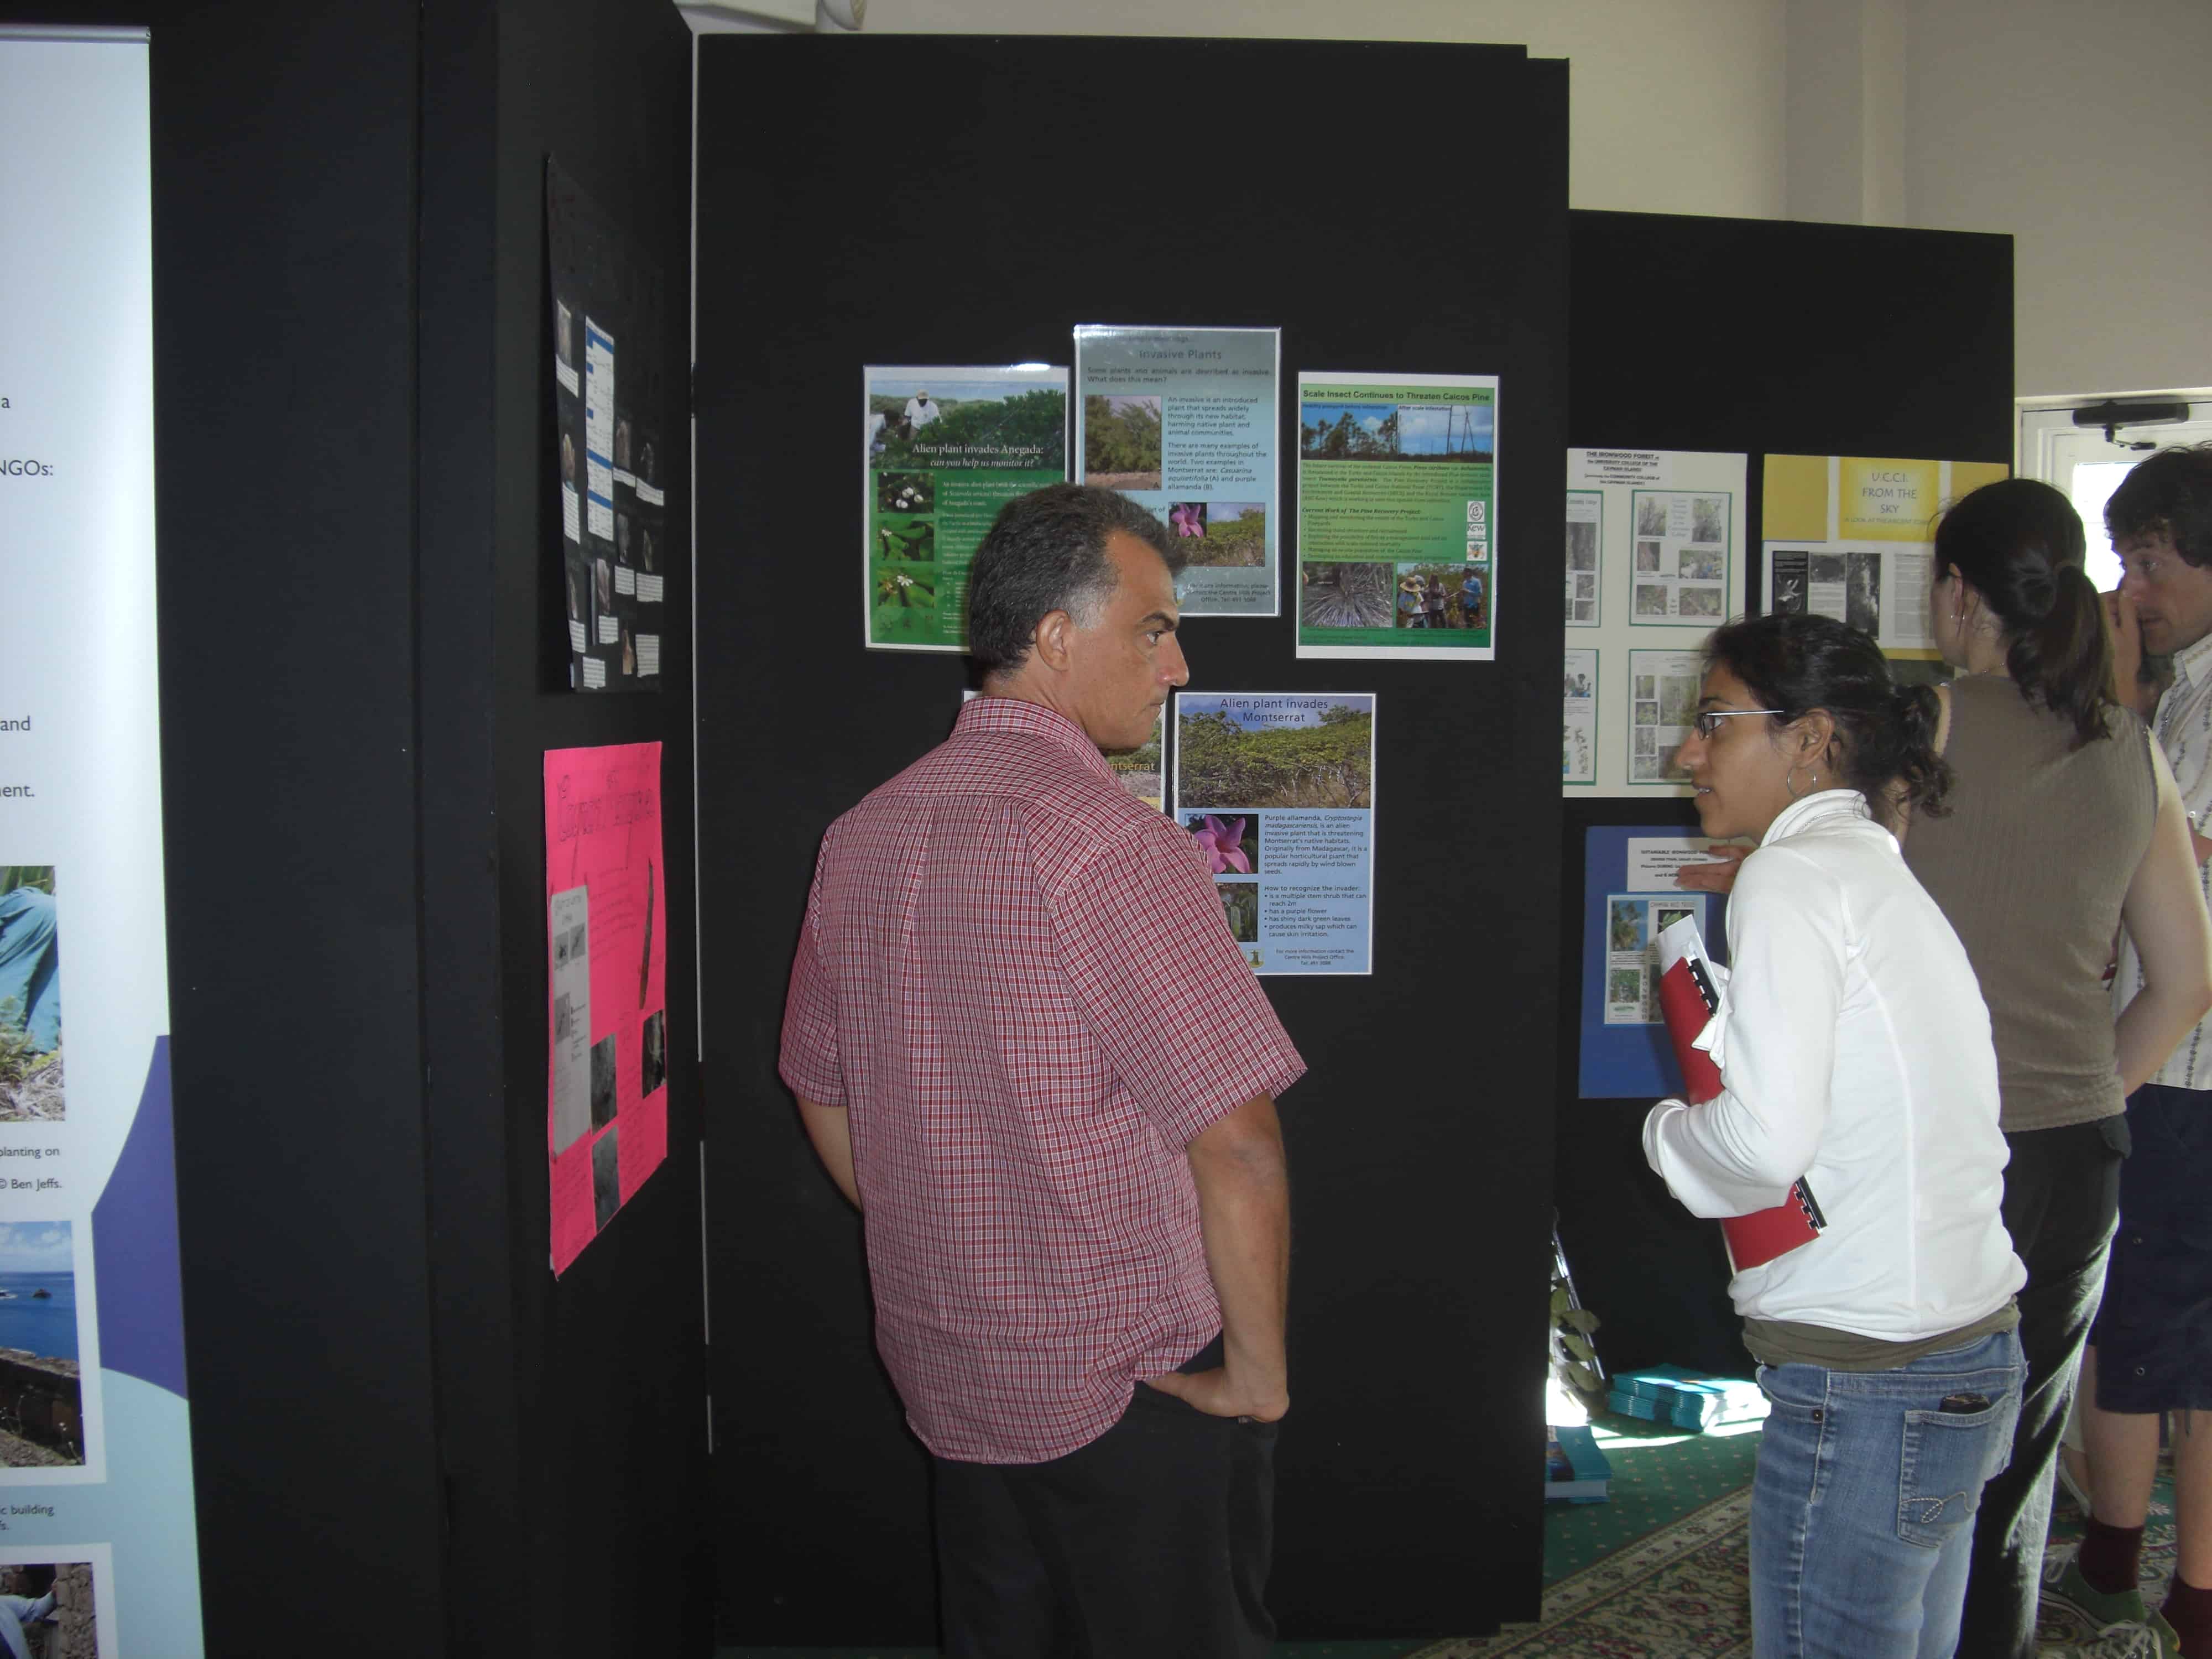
point(2109, 1557)
point(2189, 1610)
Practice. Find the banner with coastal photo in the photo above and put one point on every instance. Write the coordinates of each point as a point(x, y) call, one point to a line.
point(100, 1554)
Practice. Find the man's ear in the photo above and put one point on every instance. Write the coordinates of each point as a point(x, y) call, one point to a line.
point(1053, 639)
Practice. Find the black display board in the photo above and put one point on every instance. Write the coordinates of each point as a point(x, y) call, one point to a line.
point(1768, 338)
point(1393, 207)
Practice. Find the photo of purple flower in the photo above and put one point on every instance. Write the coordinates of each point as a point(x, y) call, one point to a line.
point(1221, 841)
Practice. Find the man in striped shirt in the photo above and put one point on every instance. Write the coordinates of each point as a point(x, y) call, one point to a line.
point(2151, 1349)
point(1024, 1043)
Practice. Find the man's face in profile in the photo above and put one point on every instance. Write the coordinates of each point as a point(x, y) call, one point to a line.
point(2173, 598)
point(1121, 667)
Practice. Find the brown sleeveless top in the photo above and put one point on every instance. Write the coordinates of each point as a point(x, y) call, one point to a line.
point(2030, 866)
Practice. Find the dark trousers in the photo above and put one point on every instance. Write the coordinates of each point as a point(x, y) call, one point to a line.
point(2062, 1195)
point(1151, 1542)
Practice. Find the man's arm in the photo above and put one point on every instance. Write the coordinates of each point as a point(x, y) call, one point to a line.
point(1244, 1211)
point(831, 1131)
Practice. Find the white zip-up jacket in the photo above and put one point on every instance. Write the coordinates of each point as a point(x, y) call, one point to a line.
point(1854, 1051)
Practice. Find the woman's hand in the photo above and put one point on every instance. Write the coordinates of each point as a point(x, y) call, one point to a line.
point(1719, 875)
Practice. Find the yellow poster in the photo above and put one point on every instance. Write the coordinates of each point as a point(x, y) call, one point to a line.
point(1880, 500)
point(1853, 537)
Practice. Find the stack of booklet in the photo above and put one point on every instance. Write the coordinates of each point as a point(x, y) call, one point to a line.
point(1575, 1470)
point(1687, 1399)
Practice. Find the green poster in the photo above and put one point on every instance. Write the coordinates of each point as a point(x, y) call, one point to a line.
point(945, 449)
point(1397, 516)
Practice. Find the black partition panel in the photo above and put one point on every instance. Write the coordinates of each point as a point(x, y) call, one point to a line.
point(1769, 337)
point(1393, 207)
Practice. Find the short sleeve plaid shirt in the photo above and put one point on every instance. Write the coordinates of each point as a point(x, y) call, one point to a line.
point(1017, 981)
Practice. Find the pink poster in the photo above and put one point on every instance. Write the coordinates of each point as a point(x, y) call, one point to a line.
point(606, 1007)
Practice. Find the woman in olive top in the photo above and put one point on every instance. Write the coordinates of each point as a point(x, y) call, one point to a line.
point(2063, 820)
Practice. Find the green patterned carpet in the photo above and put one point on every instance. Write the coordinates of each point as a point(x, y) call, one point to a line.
point(1682, 1593)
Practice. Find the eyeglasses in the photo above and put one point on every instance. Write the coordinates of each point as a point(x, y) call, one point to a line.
point(1709, 720)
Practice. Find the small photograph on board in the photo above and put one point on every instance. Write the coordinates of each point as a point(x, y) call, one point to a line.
point(1582, 545)
point(603, 583)
point(1228, 533)
point(30, 996)
point(1701, 602)
point(1240, 903)
point(622, 443)
point(1346, 594)
point(909, 540)
point(48, 1611)
point(1709, 517)
point(1121, 442)
point(1433, 596)
point(1862, 592)
point(905, 605)
point(606, 1177)
point(1229, 844)
point(1647, 558)
point(567, 457)
point(1651, 514)
point(1320, 757)
point(905, 492)
point(1185, 518)
point(1624, 929)
point(44, 1424)
point(1701, 564)
point(1651, 598)
point(654, 1056)
point(564, 334)
point(603, 1081)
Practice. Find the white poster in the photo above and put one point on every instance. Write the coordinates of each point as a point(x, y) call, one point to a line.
point(94, 1448)
point(1653, 561)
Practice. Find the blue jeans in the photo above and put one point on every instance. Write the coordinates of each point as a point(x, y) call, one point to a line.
point(1862, 1508)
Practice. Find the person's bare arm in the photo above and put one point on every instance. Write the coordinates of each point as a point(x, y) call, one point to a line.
point(1244, 1210)
point(831, 1131)
point(2164, 912)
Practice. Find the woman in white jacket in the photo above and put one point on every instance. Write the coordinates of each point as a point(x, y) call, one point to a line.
point(1855, 1055)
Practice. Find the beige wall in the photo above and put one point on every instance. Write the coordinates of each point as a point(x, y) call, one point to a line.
point(1674, 108)
point(2083, 131)
point(2078, 126)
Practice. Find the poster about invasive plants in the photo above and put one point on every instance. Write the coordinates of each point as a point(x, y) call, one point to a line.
point(1182, 420)
point(606, 1006)
point(944, 450)
point(1277, 789)
point(1397, 516)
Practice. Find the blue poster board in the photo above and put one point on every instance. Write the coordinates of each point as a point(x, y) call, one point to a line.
point(1629, 1061)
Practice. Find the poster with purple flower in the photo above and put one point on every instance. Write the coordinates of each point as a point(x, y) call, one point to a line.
point(1276, 792)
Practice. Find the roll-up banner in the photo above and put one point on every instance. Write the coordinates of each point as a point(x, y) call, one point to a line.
point(97, 1544)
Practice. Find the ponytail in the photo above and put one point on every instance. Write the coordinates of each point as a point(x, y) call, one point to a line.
point(2018, 544)
point(2063, 660)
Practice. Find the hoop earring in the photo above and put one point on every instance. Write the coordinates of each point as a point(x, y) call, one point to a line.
point(1789, 782)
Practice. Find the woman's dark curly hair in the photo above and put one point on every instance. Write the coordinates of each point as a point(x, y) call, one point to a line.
point(1884, 733)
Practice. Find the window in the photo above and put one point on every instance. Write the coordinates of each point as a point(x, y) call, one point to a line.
point(2088, 466)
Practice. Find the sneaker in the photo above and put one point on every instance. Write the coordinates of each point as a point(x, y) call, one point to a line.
point(2120, 1612)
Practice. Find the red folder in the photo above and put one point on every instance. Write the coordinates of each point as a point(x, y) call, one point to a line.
point(1687, 999)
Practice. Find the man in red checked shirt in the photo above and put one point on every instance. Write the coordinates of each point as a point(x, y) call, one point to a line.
point(1025, 1045)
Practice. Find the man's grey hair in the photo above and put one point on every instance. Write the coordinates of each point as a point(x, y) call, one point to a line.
point(1046, 551)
